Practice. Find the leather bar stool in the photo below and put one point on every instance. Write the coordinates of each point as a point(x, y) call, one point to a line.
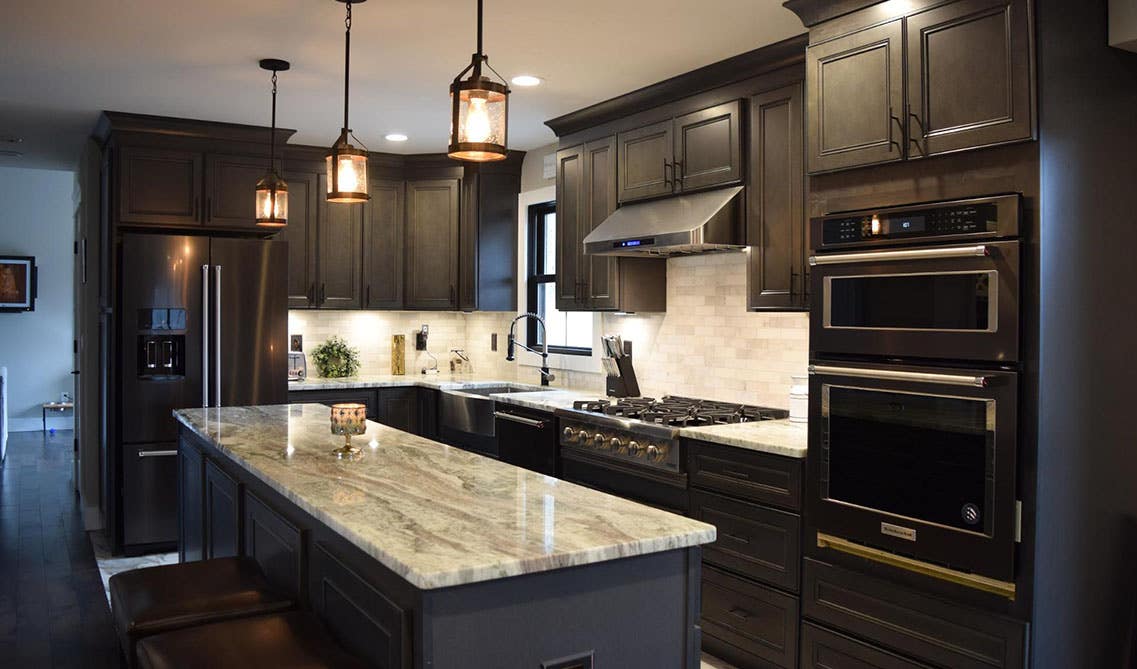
point(154, 600)
point(277, 641)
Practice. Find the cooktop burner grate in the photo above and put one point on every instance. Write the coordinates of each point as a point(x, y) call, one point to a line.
point(680, 411)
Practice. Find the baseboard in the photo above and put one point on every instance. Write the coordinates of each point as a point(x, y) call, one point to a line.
point(36, 425)
point(92, 518)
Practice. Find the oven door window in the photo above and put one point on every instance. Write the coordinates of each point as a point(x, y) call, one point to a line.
point(919, 456)
point(935, 301)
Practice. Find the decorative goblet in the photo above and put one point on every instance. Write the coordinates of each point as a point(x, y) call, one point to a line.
point(348, 419)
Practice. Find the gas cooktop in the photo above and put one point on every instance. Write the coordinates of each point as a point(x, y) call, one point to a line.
point(676, 411)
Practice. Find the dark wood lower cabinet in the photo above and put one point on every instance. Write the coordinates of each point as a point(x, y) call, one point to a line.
point(399, 408)
point(330, 397)
point(758, 542)
point(222, 513)
point(275, 543)
point(823, 649)
point(747, 624)
point(191, 503)
point(428, 413)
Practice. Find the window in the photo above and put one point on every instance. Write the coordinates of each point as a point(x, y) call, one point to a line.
point(569, 332)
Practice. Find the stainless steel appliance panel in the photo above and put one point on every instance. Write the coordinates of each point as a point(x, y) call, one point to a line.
point(150, 493)
point(250, 312)
point(160, 274)
point(918, 461)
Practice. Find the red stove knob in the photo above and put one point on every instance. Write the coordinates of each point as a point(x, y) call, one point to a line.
point(569, 433)
point(636, 448)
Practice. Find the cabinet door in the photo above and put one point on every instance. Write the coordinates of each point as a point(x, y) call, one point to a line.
point(571, 215)
point(969, 76)
point(775, 221)
point(855, 85)
point(748, 624)
point(222, 513)
point(230, 185)
point(383, 247)
point(159, 187)
point(601, 289)
point(432, 244)
point(399, 408)
point(191, 503)
point(149, 493)
point(340, 255)
point(708, 147)
point(301, 237)
point(644, 163)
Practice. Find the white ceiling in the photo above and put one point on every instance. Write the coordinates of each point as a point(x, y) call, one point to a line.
point(62, 62)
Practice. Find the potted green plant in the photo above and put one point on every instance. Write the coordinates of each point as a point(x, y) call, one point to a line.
point(334, 358)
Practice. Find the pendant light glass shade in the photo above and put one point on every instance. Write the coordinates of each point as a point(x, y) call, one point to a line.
point(272, 191)
point(479, 110)
point(347, 165)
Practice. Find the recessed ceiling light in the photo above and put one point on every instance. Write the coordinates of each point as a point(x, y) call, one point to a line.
point(396, 137)
point(525, 80)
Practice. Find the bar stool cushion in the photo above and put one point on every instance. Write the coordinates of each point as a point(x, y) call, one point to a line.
point(159, 599)
point(288, 640)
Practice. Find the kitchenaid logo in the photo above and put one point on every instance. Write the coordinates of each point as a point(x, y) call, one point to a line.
point(898, 532)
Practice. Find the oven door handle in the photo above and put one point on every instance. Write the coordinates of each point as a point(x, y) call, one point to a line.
point(896, 375)
point(907, 254)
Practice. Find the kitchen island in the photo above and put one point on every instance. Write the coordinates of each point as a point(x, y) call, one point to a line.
point(424, 555)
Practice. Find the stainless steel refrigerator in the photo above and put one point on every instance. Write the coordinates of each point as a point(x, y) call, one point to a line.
point(202, 321)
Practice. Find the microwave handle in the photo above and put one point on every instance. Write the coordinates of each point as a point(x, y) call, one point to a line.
point(907, 254)
point(896, 375)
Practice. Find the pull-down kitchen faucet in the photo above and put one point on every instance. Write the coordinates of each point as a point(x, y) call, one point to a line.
point(546, 375)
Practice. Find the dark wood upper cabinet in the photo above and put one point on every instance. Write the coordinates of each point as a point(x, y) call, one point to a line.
point(969, 76)
point(432, 244)
point(340, 261)
point(383, 247)
point(645, 162)
point(855, 85)
point(708, 147)
point(301, 237)
point(570, 217)
point(230, 182)
point(601, 289)
point(775, 221)
point(159, 187)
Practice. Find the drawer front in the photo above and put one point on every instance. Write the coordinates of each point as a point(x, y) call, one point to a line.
point(822, 649)
point(755, 541)
point(747, 624)
point(939, 633)
point(758, 477)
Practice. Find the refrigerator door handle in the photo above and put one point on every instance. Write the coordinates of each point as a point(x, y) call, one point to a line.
point(204, 336)
point(217, 338)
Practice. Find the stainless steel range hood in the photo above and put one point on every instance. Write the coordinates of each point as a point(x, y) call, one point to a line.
point(686, 224)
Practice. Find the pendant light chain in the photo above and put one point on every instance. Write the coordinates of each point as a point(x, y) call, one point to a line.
point(272, 140)
point(346, 62)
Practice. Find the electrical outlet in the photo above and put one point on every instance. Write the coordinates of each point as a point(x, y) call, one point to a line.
point(296, 343)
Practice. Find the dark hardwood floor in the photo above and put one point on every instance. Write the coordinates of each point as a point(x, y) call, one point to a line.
point(53, 612)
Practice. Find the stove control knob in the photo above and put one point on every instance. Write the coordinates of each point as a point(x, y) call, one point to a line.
point(584, 436)
point(569, 433)
point(616, 444)
point(660, 454)
point(598, 440)
point(636, 448)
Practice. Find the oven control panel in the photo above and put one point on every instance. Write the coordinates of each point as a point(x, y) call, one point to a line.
point(621, 445)
point(985, 217)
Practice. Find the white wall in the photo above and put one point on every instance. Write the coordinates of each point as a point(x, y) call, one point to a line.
point(37, 219)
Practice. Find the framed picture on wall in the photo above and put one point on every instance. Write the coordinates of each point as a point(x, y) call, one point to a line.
point(17, 283)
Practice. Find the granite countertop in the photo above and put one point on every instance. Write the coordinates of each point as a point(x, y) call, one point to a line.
point(434, 514)
point(779, 437)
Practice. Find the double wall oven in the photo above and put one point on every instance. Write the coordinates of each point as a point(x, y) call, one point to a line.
point(914, 383)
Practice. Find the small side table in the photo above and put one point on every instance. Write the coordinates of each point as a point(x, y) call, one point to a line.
point(55, 406)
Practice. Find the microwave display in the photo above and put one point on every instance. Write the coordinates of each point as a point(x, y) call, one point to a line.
point(919, 456)
point(934, 222)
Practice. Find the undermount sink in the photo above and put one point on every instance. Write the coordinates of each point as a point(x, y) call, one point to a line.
point(470, 410)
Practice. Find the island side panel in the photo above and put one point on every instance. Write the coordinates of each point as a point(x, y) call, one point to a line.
point(632, 613)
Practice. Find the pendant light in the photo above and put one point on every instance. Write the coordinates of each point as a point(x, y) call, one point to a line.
point(479, 110)
point(347, 165)
point(272, 192)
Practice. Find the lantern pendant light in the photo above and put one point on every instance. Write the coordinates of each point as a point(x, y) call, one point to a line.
point(347, 165)
point(479, 110)
point(272, 192)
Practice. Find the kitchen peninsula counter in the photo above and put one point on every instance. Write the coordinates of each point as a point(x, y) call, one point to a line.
point(438, 557)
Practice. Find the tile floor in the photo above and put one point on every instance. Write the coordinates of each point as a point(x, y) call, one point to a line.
point(109, 565)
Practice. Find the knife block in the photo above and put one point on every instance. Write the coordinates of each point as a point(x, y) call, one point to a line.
point(624, 385)
point(398, 354)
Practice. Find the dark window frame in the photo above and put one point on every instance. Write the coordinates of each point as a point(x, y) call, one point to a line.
point(536, 276)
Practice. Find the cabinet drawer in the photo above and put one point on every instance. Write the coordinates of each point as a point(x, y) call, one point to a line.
point(937, 632)
point(822, 649)
point(759, 477)
point(747, 624)
point(755, 541)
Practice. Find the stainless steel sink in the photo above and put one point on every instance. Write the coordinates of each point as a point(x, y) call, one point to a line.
point(470, 410)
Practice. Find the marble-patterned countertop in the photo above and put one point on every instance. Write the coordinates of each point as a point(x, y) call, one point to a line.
point(436, 515)
point(780, 437)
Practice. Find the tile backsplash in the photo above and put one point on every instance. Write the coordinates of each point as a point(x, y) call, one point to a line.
point(706, 345)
